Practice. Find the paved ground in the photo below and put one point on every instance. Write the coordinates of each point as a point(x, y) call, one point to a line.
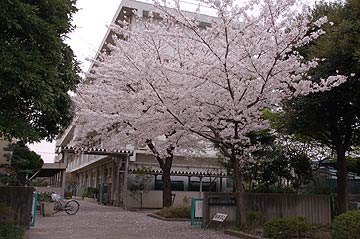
point(102, 222)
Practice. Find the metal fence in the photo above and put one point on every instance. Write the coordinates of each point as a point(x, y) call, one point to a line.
point(315, 208)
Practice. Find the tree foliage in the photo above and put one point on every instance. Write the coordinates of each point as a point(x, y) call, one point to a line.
point(22, 163)
point(207, 80)
point(37, 69)
point(277, 165)
point(332, 117)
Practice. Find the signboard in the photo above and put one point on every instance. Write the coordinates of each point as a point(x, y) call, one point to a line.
point(219, 217)
point(197, 211)
point(199, 208)
point(33, 210)
point(222, 201)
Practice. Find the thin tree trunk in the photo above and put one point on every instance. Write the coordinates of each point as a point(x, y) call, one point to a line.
point(240, 205)
point(341, 174)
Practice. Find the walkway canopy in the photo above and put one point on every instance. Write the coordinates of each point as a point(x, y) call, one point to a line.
point(50, 169)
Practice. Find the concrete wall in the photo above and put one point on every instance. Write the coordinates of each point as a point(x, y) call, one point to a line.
point(3, 144)
point(57, 190)
point(315, 208)
point(153, 199)
point(3, 159)
point(209, 211)
point(20, 199)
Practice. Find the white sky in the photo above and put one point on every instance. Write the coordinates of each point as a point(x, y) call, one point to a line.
point(91, 23)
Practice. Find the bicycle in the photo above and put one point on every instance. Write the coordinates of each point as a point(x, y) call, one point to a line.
point(71, 207)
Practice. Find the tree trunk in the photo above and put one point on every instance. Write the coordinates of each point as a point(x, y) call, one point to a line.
point(165, 165)
point(167, 202)
point(240, 205)
point(341, 174)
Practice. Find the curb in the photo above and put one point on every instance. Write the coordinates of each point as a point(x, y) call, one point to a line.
point(242, 235)
point(168, 219)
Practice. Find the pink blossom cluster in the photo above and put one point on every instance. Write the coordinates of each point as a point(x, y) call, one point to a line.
point(182, 79)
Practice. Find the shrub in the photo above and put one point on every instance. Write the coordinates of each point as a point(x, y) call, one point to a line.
point(44, 197)
point(8, 215)
point(262, 188)
point(9, 231)
point(68, 194)
point(175, 212)
point(90, 192)
point(284, 228)
point(253, 219)
point(346, 225)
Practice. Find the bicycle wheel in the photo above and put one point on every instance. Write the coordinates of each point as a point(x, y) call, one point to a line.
point(71, 207)
point(57, 206)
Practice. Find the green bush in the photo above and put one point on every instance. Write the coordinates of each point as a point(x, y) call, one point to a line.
point(8, 215)
point(253, 219)
point(346, 226)
point(90, 192)
point(284, 228)
point(262, 188)
point(175, 212)
point(68, 194)
point(44, 197)
point(9, 231)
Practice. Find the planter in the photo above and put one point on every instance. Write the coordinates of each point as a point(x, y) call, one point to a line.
point(47, 209)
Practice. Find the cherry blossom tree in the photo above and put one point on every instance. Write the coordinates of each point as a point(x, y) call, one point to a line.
point(185, 76)
point(117, 117)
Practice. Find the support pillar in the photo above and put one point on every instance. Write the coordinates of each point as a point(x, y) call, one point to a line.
point(118, 183)
point(125, 182)
point(221, 184)
point(63, 179)
point(101, 189)
point(200, 194)
point(189, 183)
point(113, 175)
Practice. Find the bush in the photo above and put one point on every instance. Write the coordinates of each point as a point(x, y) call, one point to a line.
point(90, 192)
point(44, 197)
point(9, 231)
point(346, 225)
point(284, 228)
point(68, 194)
point(175, 212)
point(262, 188)
point(253, 219)
point(8, 215)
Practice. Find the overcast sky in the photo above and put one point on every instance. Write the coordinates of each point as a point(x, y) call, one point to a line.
point(91, 23)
